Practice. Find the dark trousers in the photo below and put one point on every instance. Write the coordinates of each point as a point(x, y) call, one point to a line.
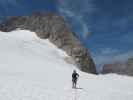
point(74, 83)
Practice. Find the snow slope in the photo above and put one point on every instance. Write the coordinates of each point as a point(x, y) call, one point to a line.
point(35, 69)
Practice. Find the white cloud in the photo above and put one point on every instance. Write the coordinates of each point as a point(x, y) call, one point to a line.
point(76, 11)
point(77, 19)
point(66, 12)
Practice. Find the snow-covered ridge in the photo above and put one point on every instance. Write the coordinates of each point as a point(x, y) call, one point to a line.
point(23, 34)
point(34, 69)
point(53, 27)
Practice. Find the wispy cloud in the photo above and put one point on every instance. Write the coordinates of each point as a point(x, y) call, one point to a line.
point(76, 11)
point(76, 19)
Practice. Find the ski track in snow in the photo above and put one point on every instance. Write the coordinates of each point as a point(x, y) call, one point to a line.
point(34, 69)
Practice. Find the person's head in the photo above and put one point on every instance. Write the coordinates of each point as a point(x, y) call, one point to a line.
point(74, 71)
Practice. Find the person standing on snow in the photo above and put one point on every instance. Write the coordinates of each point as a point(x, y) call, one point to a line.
point(75, 77)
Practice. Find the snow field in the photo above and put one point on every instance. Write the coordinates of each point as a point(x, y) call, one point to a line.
point(34, 69)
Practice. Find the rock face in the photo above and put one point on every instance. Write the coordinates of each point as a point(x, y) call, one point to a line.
point(54, 28)
point(124, 68)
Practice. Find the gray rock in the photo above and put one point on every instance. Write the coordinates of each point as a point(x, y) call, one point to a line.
point(124, 68)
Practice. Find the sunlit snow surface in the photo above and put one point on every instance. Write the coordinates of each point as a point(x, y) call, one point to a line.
point(34, 69)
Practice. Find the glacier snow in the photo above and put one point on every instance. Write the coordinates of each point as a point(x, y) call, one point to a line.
point(35, 69)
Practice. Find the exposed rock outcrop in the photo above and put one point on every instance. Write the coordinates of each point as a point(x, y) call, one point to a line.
point(54, 28)
point(124, 68)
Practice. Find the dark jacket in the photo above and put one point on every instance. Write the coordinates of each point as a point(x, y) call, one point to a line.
point(75, 76)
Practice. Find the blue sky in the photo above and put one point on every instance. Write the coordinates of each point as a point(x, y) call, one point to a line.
point(108, 23)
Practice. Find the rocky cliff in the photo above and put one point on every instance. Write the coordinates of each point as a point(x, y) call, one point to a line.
point(125, 68)
point(54, 28)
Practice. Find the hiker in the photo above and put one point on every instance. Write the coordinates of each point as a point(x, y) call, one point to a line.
point(75, 77)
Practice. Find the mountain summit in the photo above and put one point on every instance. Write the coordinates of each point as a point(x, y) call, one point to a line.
point(53, 27)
